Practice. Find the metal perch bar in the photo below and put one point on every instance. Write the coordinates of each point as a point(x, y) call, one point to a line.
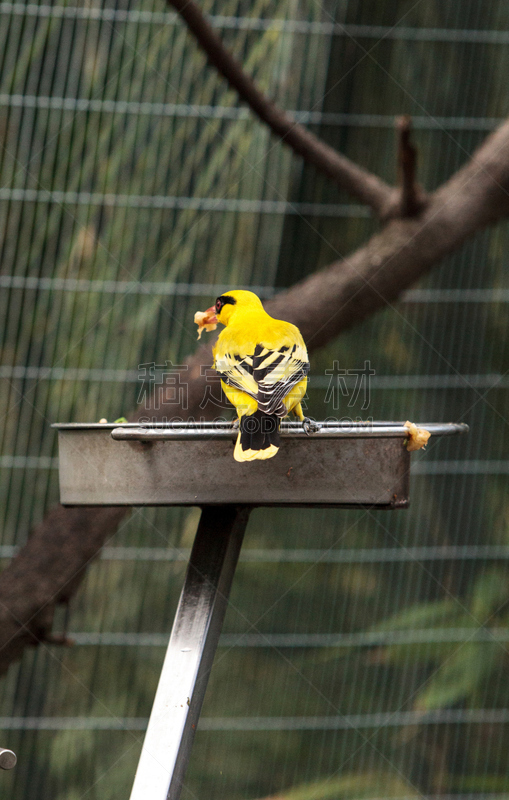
point(329, 430)
point(224, 430)
point(8, 759)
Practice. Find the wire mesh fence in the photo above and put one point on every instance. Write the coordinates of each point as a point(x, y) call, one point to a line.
point(364, 654)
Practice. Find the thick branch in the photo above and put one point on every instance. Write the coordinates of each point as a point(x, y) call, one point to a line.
point(48, 571)
point(51, 564)
point(363, 185)
point(348, 291)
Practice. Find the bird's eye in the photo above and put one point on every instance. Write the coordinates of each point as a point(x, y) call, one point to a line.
point(219, 306)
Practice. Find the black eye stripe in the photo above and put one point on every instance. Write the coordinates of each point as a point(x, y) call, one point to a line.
point(223, 300)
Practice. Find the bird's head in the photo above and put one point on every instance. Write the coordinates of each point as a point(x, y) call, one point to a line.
point(229, 303)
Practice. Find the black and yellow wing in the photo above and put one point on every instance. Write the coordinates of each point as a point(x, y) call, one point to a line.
point(276, 372)
point(267, 374)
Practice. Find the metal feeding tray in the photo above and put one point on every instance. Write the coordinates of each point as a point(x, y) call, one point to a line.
point(341, 464)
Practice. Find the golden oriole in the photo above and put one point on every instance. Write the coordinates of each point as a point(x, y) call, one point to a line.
point(263, 364)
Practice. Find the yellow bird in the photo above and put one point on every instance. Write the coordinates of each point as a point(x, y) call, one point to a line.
point(263, 364)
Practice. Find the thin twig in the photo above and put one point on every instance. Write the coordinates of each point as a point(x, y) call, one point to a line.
point(363, 185)
point(412, 198)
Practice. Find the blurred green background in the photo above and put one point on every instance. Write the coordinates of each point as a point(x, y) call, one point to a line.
point(365, 654)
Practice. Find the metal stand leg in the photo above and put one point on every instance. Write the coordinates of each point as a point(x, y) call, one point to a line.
point(179, 697)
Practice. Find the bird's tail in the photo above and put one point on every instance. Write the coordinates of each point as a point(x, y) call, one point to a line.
point(258, 437)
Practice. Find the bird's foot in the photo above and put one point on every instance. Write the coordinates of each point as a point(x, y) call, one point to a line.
point(310, 426)
point(236, 424)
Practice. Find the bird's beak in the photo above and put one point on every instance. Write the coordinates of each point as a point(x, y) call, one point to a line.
point(211, 318)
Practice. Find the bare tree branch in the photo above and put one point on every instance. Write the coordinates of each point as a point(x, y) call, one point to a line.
point(49, 568)
point(360, 183)
point(48, 571)
point(348, 291)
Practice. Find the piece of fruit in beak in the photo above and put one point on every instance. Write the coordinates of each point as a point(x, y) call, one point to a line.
point(206, 320)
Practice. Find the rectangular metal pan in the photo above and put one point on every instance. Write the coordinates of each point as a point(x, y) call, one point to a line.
point(341, 465)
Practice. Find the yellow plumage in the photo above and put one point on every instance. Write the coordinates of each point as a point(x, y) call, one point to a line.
point(263, 365)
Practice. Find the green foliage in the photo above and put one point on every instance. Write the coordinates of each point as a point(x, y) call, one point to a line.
point(490, 596)
point(438, 612)
point(460, 676)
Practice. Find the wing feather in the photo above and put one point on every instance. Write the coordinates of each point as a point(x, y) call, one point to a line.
point(276, 372)
point(267, 374)
point(237, 371)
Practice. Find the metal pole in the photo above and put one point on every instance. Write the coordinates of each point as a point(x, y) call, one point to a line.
point(195, 634)
point(7, 759)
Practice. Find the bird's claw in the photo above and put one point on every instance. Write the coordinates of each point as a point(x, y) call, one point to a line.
point(236, 424)
point(310, 426)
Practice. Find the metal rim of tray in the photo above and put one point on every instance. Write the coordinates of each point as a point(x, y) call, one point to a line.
point(224, 430)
